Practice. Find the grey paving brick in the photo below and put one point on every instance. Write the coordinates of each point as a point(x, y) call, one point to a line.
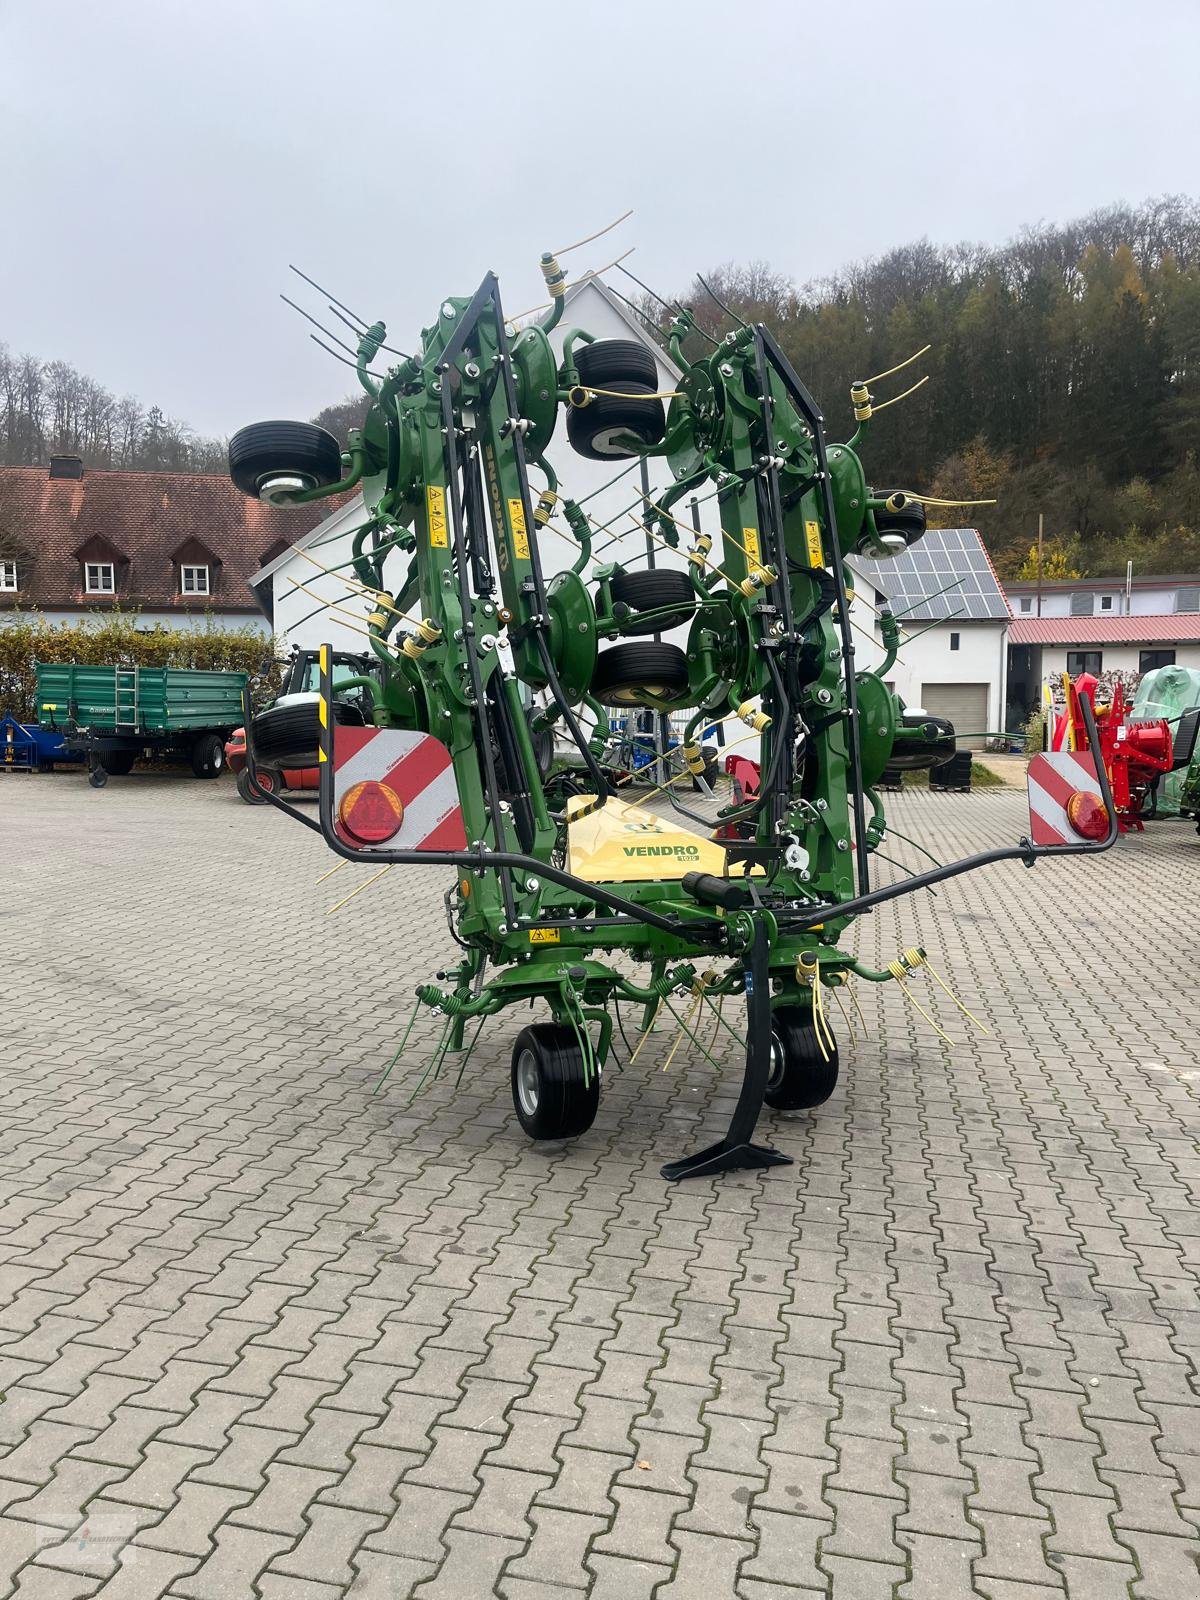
point(244, 1297)
point(616, 1579)
point(472, 1567)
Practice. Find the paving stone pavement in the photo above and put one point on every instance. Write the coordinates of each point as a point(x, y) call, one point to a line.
point(266, 1333)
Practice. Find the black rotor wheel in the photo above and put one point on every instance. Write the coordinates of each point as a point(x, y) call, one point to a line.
point(290, 735)
point(653, 591)
point(554, 1097)
point(800, 1075)
point(626, 673)
point(265, 450)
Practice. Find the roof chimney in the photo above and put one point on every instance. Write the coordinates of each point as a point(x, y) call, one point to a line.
point(66, 466)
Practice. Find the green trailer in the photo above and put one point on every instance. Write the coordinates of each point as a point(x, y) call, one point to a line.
point(113, 714)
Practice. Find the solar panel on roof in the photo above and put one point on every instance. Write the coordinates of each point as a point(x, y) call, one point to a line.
point(912, 578)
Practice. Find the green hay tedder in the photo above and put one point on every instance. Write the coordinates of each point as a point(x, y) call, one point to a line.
point(484, 654)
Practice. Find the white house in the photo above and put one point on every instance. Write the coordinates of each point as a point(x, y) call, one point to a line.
point(954, 619)
point(1100, 625)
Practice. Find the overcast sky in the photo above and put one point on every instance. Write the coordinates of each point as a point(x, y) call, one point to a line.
point(164, 160)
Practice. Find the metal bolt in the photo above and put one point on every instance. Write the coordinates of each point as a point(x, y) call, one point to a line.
point(822, 805)
point(843, 844)
point(471, 370)
point(824, 697)
point(436, 388)
point(854, 502)
point(533, 885)
point(726, 370)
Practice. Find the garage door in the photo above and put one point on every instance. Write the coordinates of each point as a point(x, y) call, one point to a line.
point(964, 704)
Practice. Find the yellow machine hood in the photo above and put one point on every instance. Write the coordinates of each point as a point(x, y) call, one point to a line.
point(622, 843)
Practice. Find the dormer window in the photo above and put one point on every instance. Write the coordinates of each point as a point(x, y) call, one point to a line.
point(194, 580)
point(8, 576)
point(99, 577)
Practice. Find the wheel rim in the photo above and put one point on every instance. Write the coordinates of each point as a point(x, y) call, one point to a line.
point(778, 1064)
point(528, 1082)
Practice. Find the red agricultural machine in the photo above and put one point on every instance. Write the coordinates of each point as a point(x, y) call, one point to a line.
point(1135, 753)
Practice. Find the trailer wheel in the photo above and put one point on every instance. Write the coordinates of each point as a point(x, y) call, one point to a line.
point(551, 1099)
point(799, 1076)
point(208, 756)
point(654, 591)
point(97, 777)
point(626, 673)
point(117, 763)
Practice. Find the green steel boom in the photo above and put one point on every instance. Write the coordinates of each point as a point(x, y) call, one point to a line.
point(484, 653)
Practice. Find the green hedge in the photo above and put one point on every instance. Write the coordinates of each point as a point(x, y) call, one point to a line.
point(119, 638)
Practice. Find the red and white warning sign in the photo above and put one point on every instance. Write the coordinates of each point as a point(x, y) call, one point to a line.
point(1065, 805)
point(396, 789)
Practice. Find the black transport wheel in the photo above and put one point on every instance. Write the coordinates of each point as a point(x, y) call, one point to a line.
point(800, 1076)
point(269, 460)
point(601, 429)
point(97, 777)
point(117, 763)
point(208, 756)
point(610, 361)
point(552, 1100)
point(654, 591)
point(289, 734)
point(908, 523)
point(626, 673)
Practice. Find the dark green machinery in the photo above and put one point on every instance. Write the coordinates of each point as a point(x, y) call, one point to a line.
point(484, 653)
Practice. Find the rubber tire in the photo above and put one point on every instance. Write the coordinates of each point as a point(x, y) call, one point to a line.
point(97, 777)
point(909, 521)
point(800, 1076)
point(266, 780)
point(208, 756)
point(650, 591)
point(661, 668)
point(565, 1106)
point(612, 361)
point(266, 448)
point(118, 763)
point(290, 735)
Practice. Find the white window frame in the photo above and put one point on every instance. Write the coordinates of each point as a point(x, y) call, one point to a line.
point(99, 568)
point(194, 567)
point(1106, 602)
point(1026, 602)
point(9, 577)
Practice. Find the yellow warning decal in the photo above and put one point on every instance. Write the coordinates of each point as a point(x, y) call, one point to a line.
point(750, 542)
point(545, 936)
point(812, 536)
point(435, 508)
point(516, 515)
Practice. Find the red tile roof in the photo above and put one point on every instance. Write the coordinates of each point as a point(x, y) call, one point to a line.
point(144, 521)
point(1178, 629)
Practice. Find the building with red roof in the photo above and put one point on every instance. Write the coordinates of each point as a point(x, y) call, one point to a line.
point(179, 548)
